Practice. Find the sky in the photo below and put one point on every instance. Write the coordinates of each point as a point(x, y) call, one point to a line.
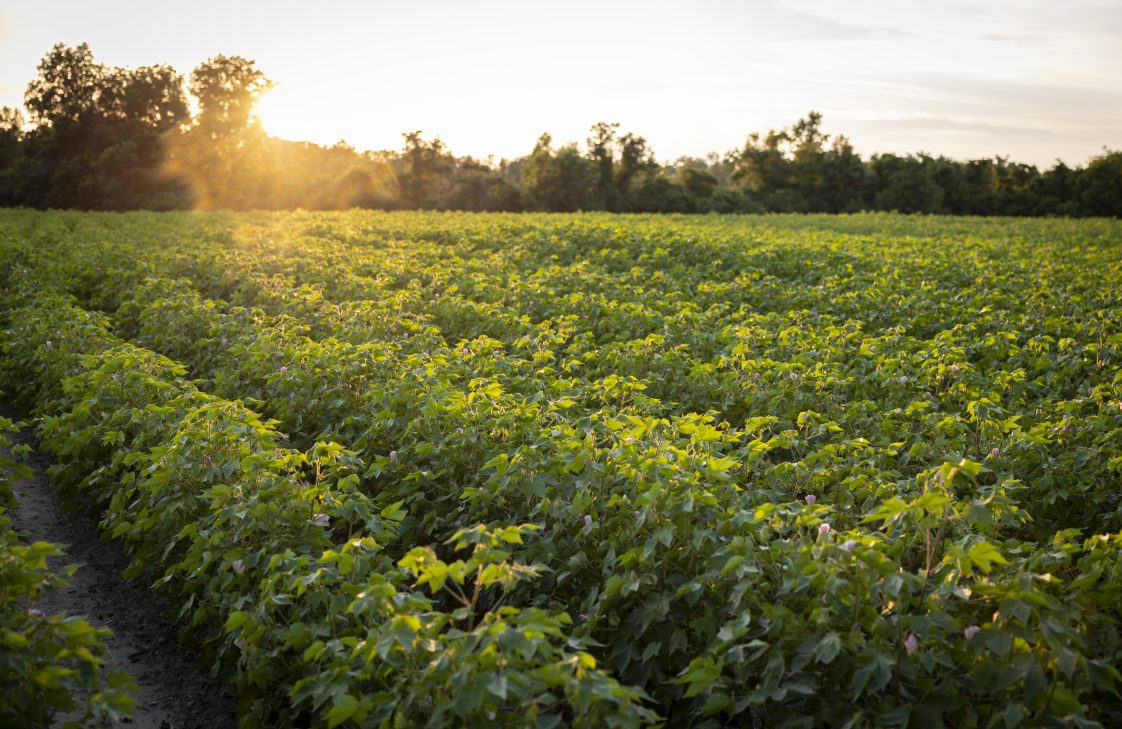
point(1035, 80)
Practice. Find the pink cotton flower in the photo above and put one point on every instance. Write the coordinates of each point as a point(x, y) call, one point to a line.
point(811, 498)
point(995, 453)
point(971, 631)
point(850, 545)
point(588, 519)
point(321, 518)
point(954, 368)
point(238, 566)
point(911, 643)
point(823, 529)
point(460, 431)
point(393, 455)
point(903, 380)
point(35, 612)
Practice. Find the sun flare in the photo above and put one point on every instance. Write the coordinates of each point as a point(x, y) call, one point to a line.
point(288, 115)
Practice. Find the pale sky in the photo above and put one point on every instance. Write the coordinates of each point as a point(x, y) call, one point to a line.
point(1033, 79)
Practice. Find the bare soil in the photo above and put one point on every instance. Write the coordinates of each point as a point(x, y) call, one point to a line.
point(175, 692)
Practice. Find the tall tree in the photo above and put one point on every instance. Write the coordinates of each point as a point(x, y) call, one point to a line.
point(635, 159)
point(560, 180)
point(153, 95)
point(424, 166)
point(1100, 185)
point(68, 86)
point(601, 141)
point(227, 89)
point(762, 165)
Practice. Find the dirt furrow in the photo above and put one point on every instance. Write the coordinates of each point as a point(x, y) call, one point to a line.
point(175, 693)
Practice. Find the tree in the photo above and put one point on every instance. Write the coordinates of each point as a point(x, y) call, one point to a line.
point(67, 88)
point(424, 166)
point(560, 181)
point(227, 89)
point(1100, 185)
point(479, 187)
point(762, 165)
point(153, 95)
point(843, 179)
point(11, 154)
point(808, 157)
point(699, 183)
point(600, 150)
point(906, 184)
point(11, 133)
point(635, 158)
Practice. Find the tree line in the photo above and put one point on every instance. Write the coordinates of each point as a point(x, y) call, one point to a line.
point(99, 137)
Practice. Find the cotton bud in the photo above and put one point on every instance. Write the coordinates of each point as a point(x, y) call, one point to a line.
point(238, 566)
point(823, 529)
point(588, 519)
point(811, 498)
point(995, 453)
point(393, 455)
point(911, 643)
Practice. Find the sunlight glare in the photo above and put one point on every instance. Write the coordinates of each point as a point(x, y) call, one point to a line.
point(285, 112)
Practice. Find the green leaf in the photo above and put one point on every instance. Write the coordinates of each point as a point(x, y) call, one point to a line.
point(827, 648)
point(344, 708)
point(984, 555)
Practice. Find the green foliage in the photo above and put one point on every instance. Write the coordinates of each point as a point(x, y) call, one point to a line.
point(402, 469)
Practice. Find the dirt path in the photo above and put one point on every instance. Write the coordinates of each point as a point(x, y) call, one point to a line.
point(175, 693)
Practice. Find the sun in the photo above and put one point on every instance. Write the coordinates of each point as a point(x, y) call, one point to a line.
point(284, 112)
